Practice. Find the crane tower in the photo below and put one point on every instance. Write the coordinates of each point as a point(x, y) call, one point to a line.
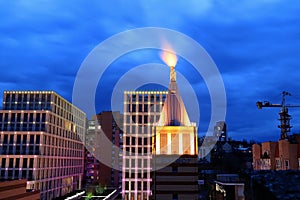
point(284, 116)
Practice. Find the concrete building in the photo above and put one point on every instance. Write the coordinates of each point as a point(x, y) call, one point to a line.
point(175, 150)
point(141, 110)
point(104, 141)
point(41, 141)
point(16, 190)
point(281, 155)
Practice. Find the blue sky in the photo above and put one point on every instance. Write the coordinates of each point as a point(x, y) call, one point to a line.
point(255, 45)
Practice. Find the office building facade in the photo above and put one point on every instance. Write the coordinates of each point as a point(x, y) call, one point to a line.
point(141, 110)
point(41, 140)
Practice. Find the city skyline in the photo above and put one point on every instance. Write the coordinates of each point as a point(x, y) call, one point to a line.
point(254, 45)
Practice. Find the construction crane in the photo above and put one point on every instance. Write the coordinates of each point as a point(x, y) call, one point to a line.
point(284, 116)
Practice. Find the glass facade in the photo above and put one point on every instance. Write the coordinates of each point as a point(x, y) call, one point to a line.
point(41, 140)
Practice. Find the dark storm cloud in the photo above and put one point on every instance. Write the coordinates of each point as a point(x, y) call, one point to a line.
point(255, 45)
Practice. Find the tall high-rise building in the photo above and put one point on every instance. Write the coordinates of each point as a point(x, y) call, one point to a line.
point(41, 141)
point(141, 110)
point(91, 176)
point(104, 141)
point(175, 150)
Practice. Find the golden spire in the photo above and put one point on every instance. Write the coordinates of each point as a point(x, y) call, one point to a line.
point(172, 74)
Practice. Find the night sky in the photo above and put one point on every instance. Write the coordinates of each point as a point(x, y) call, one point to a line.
point(255, 45)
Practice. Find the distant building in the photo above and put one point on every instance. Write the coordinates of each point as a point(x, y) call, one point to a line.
point(16, 189)
point(41, 141)
point(91, 163)
point(175, 150)
point(104, 156)
point(227, 186)
point(281, 155)
point(220, 131)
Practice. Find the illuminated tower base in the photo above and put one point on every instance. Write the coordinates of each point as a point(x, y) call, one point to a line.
point(175, 163)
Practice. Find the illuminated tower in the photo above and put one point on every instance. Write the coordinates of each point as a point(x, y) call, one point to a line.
point(40, 141)
point(141, 110)
point(175, 150)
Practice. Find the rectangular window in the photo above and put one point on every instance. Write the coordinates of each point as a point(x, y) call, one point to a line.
point(287, 164)
point(37, 139)
point(186, 143)
point(10, 173)
point(11, 163)
point(145, 184)
point(145, 107)
point(140, 150)
point(127, 140)
point(152, 98)
point(163, 143)
point(18, 117)
point(38, 116)
point(18, 139)
point(17, 162)
point(278, 164)
point(2, 173)
point(6, 117)
point(133, 108)
point(11, 139)
point(128, 119)
point(133, 149)
point(140, 107)
point(31, 117)
point(145, 119)
point(140, 140)
point(13, 117)
point(157, 108)
point(3, 162)
point(31, 163)
point(31, 139)
point(5, 139)
point(25, 117)
point(7, 99)
point(175, 143)
point(43, 117)
point(145, 150)
point(13, 97)
point(133, 119)
point(140, 119)
point(145, 165)
point(25, 162)
point(30, 173)
point(24, 139)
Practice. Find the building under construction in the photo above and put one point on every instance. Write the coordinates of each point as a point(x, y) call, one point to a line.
point(281, 155)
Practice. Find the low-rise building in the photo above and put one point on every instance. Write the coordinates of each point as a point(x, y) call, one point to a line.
point(16, 189)
point(281, 155)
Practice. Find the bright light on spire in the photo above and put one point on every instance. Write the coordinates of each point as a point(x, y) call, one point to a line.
point(168, 55)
